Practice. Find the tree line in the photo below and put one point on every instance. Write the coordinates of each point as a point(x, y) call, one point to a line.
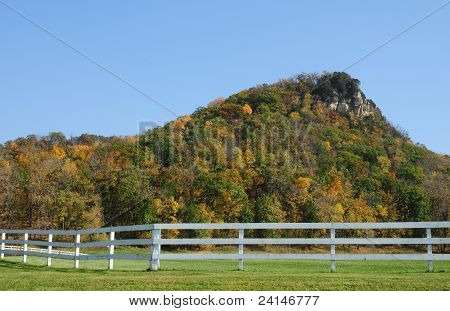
point(273, 153)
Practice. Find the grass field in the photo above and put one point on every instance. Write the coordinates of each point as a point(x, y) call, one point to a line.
point(222, 275)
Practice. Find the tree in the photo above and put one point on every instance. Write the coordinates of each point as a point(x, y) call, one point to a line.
point(303, 183)
point(411, 173)
point(247, 109)
point(339, 83)
point(6, 194)
point(268, 209)
point(438, 190)
point(216, 102)
point(412, 203)
point(127, 198)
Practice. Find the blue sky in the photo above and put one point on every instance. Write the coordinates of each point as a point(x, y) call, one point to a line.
point(186, 53)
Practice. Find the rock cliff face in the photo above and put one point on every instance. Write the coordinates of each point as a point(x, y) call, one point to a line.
point(356, 104)
point(340, 92)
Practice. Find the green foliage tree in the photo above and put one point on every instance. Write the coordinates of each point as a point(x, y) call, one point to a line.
point(413, 203)
point(127, 198)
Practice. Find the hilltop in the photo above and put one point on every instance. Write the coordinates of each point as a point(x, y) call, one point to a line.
point(307, 149)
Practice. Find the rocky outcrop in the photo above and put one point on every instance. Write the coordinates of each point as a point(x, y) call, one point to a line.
point(356, 104)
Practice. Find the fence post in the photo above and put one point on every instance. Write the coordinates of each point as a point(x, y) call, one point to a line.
point(429, 251)
point(25, 247)
point(2, 255)
point(333, 250)
point(111, 250)
point(49, 249)
point(156, 249)
point(241, 250)
point(77, 251)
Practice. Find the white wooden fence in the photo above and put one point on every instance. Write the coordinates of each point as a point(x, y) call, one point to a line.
point(39, 250)
point(155, 255)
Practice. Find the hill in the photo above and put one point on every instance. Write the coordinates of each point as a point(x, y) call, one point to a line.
point(308, 149)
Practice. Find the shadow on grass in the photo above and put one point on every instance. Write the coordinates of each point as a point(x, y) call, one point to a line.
point(35, 268)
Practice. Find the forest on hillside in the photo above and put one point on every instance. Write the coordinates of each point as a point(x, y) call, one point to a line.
point(272, 153)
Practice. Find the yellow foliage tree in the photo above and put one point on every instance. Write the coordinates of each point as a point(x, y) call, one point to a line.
point(180, 123)
point(338, 215)
point(23, 160)
point(82, 152)
point(336, 186)
point(247, 109)
point(204, 213)
point(382, 211)
point(330, 208)
point(295, 116)
point(384, 163)
point(303, 183)
point(166, 210)
point(70, 168)
point(57, 152)
point(359, 211)
point(307, 100)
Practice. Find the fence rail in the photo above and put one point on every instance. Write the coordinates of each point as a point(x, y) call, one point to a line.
point(19, 247)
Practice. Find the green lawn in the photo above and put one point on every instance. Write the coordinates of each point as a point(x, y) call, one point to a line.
point(222, 275)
